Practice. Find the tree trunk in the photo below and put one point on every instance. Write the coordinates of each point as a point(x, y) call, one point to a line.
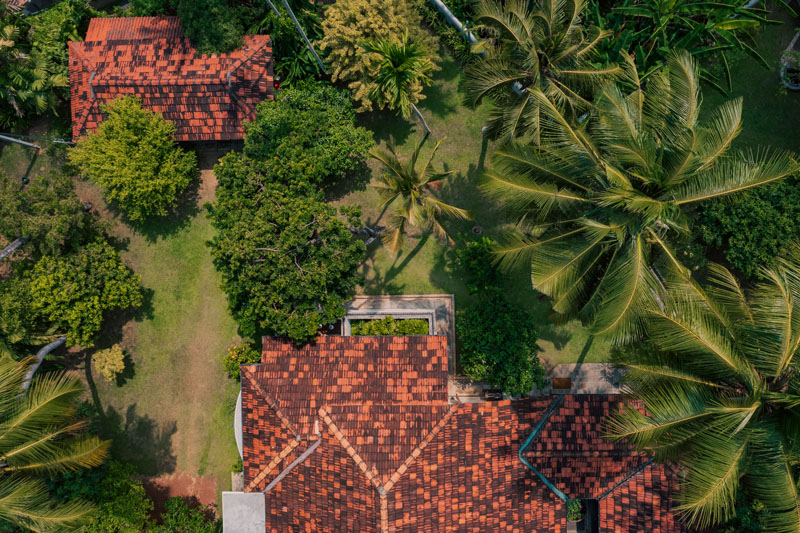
point(303, 35)
point(40, 355)
point(421, 118)
point(11, 248)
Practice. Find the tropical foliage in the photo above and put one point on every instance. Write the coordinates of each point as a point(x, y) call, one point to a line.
point(348, 23)
point(412, 195)
point(403, 69)
point(47, 212)
point(40, 437)
point(109, 362)
point(389, 325)
point(721, 393)
point(288, 263)
point(29, 81)
point(238, 355)
point(753, 229)
point(134, 158)
point(308, 134)
point(606, 200)
point(497, 341)
point(650, 29)
point(533, 47)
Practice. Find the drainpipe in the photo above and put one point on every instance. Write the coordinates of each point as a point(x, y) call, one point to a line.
point(524, 447)
point(453, 21)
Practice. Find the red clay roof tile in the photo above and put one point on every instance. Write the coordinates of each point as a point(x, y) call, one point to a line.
point(207, 97)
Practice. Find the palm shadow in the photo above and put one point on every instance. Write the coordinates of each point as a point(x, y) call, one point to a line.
point(383, 282)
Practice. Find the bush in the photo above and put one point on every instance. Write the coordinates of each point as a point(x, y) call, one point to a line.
point(754, 228)
point(497, 340)
point(134, 158)
point(178, 517)
point(110, 362)
point(308, 132)
point(348, 23)
point(388, 325)
point(498, 345)
point(239, 355)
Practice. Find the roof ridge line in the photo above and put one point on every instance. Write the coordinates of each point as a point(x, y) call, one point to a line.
point(274, 463)
point(242, 60)
point(633, 473)
point(271, 402)
point(555, 404)
point(350, 449)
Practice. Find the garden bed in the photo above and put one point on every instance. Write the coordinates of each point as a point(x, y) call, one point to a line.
point(389, 325)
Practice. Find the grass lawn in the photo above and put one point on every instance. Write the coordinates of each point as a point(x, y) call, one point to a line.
point(172, 410)
point(425, 265)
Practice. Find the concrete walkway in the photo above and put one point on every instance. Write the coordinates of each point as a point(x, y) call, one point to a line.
point(585, 378)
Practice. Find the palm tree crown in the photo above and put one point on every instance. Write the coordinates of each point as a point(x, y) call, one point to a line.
point(533, 46)
point(403, 69)
point(605, 200)
point(412, 194)
point(38, 437)
point(722, 394)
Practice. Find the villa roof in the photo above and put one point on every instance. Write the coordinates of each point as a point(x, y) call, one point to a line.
point(357, 434)
point(206, 96)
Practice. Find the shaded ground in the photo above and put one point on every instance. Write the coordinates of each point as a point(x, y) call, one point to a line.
point(194, 489)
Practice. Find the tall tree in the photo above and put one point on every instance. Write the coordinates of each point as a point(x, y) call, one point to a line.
point(39, 437)
point(720, 388)
point(411, 193)
point(403, 67)
point(533, 47)
point(605, 200)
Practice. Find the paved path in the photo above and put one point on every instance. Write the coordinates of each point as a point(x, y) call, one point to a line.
point(587, 378)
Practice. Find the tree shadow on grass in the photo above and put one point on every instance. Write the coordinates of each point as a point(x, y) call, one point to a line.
point(176, 220)
point(140, 440)
point(383, 282)
point(354, 181)
point(387, 125)
point(442, 100)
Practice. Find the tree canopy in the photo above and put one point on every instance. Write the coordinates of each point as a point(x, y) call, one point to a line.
point(288, 263)
point(134, 158)
point(605, 200)
point(719, 387)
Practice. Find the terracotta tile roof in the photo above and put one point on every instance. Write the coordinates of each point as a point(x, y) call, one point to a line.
point(572, 453)
point(207, 97)
point(380, 457)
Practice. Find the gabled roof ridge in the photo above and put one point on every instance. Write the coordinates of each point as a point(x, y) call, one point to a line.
point(632, 474)
point(270, 401)
point(242, 60)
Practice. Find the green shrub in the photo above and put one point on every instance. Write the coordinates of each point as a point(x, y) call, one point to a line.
point(178, 517)
point(754, 228)
point(498, 345)
point(110, 362)
point(239, 355)
point(388, 325)
point(476, 257)
point(348, 23)
point(134, 158)
point(308, 133)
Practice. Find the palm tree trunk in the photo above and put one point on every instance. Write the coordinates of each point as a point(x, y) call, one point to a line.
point(303, 35)
point(8, 250)
point(40, 355)
point(422, 119)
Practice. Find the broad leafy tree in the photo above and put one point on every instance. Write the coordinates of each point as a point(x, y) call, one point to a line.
point(134, 158)
point(719, 385)
point(71, 294)
point(604, 201)
point(39, 437)
point(348, 23)
point(288, 263)
point(403, 70)
point(411, 193)
point(308, 133)
point(47, 212)
point(534, 47)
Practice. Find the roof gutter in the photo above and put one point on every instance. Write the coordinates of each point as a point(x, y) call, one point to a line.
point(529, 440)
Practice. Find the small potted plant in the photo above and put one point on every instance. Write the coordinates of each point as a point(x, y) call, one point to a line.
point(575, 510)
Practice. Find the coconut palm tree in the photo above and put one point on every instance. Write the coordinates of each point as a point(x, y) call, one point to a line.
point(403, 70)
point(39, 437)
point(533, 46)
point(722, 394)
point(604, 201)
point(411, 193)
